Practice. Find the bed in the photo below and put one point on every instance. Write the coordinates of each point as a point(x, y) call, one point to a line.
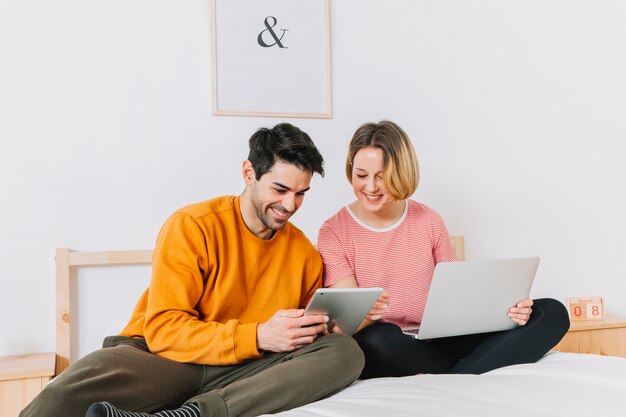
point(560, 384)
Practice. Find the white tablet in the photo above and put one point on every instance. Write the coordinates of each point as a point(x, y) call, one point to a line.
point(347, 307)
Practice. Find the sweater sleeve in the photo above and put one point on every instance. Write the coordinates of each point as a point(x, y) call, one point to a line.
point(312, 280)
point(173, 328)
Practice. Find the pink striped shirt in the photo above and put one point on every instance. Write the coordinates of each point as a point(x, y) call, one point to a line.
point(400, 258)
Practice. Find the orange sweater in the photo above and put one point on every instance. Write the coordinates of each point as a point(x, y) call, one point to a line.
point(213, 282)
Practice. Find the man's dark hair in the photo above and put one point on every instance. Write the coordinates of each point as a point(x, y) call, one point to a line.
point(287, 143)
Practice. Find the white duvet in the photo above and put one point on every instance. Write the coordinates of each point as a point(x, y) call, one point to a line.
point(560, 384)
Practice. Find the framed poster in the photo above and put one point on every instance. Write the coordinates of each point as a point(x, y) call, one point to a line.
point(271, 58)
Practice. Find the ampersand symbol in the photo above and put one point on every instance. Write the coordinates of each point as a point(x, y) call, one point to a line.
point(269, 29)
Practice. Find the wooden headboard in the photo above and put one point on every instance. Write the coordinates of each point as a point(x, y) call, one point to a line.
point(67, 259)
point(458, 244)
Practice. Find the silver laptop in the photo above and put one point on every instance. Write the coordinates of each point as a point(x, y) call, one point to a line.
point(474, 296)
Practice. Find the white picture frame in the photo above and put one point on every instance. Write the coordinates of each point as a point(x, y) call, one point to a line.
point(271, 58)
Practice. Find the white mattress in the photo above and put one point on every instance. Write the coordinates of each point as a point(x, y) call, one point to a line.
point(560, 384)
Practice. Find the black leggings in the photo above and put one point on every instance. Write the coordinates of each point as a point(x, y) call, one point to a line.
point(389, 352)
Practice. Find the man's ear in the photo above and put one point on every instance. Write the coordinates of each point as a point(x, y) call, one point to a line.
point(248, 172)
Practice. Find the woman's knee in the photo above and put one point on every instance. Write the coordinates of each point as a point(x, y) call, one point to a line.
point(553, 311)
point(551, 317)
point(381, 344)
point(377, 335)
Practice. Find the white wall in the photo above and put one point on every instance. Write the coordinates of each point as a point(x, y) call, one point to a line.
point(517, 111)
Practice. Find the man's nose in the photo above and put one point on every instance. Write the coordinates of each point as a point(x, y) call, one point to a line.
point(289, 202)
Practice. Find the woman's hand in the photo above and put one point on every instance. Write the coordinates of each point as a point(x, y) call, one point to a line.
point(521, 312)
point(377, 311)
point(379, 308)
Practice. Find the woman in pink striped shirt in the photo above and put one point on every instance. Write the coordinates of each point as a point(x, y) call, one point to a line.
point(384, 239)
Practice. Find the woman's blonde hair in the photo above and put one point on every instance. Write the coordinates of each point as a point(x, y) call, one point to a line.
point(400, 166)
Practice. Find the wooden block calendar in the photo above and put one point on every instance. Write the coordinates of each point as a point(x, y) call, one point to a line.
point(585, 308)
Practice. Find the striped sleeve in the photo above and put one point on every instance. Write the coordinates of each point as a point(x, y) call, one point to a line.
point(442, 248)
point(336, 263)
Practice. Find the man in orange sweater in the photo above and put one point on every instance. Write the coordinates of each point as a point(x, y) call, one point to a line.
point(220, 331)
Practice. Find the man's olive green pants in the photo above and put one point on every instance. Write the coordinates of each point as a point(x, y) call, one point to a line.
point(128, 376)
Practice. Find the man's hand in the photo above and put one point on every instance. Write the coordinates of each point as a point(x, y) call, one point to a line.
point(521, 312)
point(288, 330)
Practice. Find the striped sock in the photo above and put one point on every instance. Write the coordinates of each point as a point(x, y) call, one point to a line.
point(108, 410)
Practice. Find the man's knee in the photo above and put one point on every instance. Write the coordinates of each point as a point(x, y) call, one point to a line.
point(346, 353)
point(70, 393)
point(53, 400)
